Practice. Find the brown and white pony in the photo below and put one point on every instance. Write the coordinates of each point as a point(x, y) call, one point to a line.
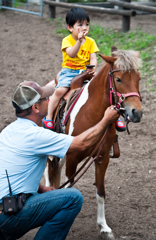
point(89, 110)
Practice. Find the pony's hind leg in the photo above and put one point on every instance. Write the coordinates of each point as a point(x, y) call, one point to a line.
point(46, 175)
point(105, 230)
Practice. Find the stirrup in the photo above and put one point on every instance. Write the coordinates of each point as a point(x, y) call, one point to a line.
point(120, 126)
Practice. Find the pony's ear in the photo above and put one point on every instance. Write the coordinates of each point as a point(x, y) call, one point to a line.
point(108, 59)
point(138, 55)
point(113, 49)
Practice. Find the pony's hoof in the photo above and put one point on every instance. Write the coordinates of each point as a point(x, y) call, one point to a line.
point(107, 236)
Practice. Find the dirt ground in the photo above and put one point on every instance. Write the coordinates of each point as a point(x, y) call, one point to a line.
point(30, 50)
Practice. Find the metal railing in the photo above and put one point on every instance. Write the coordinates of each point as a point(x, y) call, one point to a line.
point(35, 8)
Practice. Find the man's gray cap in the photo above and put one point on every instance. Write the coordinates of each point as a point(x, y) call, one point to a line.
point(28, 92)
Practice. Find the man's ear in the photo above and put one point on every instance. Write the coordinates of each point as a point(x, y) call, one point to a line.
point(70, 28)
point(35, 107)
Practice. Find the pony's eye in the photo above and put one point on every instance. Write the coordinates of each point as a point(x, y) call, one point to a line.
point(118, 80)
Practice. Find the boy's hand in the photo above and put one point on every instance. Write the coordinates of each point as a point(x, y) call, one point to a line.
point(81, 34)
point(91, 70)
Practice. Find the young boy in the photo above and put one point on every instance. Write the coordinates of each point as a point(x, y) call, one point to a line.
point(78, 51)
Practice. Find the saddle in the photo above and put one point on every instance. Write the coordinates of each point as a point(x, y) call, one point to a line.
point(76, 85)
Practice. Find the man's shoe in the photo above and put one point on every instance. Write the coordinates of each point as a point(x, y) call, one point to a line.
point(1, 236)
point(48, 124)
point(120, 126)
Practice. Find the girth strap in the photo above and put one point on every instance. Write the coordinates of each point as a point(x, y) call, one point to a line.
point(116, 150)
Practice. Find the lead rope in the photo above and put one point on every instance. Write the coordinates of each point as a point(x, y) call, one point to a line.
point(99, 146)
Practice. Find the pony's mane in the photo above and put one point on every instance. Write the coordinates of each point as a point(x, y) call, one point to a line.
point(127, 60)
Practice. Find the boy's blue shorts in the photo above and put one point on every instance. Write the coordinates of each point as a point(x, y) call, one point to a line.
point(66, 76)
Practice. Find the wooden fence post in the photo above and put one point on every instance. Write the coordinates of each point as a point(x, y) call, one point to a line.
point(126, 20)
point(52, 11)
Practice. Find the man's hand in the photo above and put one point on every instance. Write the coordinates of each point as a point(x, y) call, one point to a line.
point(111, 115)
point(43, 189)
point(90, 137)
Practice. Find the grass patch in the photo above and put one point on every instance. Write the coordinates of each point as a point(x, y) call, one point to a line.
point(19, 3)
point(152, 90)
point(132, 40)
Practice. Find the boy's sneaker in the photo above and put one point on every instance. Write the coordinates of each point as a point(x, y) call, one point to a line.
point(48, 124)
point(120, 126)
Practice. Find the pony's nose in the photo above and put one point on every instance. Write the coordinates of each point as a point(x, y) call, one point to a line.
point(136, 115)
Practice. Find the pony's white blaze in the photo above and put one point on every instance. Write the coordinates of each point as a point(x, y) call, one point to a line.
point(81, 101)
point(46, 175)
point(101, 220)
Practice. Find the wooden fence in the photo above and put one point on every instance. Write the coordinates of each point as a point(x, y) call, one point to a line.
point(125, 12)
point(133, 6)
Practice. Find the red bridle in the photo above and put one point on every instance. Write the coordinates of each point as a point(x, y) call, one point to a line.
point(113, 91)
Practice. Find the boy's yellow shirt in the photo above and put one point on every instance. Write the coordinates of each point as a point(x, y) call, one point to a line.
point(83, 56)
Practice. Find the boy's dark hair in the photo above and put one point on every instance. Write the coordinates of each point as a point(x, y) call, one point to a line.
point(76, 14)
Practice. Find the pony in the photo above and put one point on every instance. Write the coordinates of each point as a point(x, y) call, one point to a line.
point(117, 82)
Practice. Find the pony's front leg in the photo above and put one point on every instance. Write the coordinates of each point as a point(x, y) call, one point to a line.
point(52, 172)
point(105, 230)
point(71, 165)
